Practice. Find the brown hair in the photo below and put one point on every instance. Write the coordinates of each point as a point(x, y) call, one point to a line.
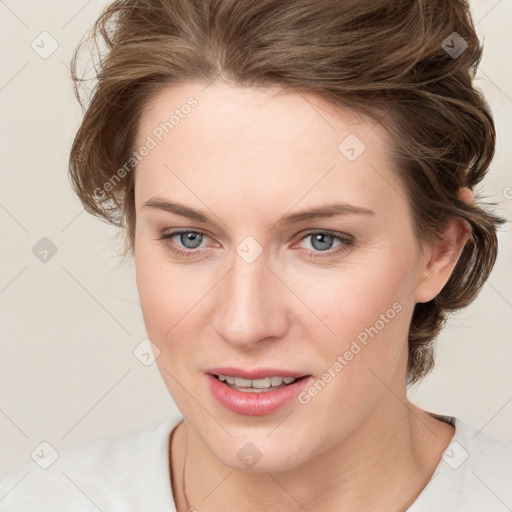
point(398, 62)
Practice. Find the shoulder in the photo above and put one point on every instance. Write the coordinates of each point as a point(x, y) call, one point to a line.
point(488, 462)
point(108, 474)
point(474, 474)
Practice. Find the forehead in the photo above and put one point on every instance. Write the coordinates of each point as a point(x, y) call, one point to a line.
point(258, 145)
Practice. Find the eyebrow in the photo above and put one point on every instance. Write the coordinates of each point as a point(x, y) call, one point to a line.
point(321, 212)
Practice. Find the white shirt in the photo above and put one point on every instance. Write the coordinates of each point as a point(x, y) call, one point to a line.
point(130, 473)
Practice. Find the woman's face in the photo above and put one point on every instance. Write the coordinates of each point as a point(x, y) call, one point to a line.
point(260, 285)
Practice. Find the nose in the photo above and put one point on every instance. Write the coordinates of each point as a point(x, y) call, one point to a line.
point(252, 304)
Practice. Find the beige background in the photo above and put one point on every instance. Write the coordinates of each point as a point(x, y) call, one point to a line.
point(69, 326)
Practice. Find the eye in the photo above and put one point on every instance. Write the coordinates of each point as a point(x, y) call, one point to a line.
point(188, 242)
point(322, 242)
point(188, 239)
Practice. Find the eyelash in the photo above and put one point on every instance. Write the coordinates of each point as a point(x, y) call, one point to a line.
point(346, 242)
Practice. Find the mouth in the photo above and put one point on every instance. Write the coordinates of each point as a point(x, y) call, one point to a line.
point(263, 385)
point(257, 392)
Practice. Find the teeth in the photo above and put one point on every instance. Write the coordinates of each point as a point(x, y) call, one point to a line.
point(261, 383)
point(242, 383)
point(255, 384)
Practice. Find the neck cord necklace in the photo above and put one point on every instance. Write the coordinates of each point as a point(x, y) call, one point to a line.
point(189, 508)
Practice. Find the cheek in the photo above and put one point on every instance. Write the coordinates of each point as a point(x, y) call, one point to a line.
point(352, 297)
point(163, 293)
point(343, 304)
point(167, 308)
point(173, 298)
point(365, 312)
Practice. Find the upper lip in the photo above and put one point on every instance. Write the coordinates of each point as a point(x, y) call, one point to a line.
point(255, 373)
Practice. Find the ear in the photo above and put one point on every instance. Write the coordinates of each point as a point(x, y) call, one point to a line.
point(442, 255)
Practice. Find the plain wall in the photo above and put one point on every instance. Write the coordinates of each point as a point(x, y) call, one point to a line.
point(69, 326)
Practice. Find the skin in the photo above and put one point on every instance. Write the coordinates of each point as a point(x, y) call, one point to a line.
point(245, 158)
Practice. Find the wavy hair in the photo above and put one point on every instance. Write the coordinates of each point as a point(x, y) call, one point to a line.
point(408, 64)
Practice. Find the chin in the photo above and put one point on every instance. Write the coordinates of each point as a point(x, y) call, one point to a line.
point(266, 463)
point(247, 452)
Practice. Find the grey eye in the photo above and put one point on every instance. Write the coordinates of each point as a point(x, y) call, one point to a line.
point(321, 241)
point(191, 239)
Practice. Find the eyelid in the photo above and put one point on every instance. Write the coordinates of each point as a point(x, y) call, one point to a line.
point(304, 233)
point(330, 232)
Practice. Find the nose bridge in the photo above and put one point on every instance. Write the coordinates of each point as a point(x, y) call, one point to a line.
point(249, 309)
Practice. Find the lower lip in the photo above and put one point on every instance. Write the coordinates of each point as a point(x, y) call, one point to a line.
point(255, 404)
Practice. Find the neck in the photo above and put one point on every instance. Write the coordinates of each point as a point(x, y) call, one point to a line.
point(383, 465)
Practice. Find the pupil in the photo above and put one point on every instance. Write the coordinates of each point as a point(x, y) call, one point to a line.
point(320, 238)
point(190, 237)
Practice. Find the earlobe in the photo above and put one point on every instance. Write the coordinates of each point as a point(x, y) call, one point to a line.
point(443, 254)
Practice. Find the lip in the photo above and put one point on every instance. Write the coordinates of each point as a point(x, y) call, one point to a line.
point(256, 404)
point(256, 373)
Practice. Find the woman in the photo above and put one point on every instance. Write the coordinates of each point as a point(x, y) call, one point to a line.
point(295, 180)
